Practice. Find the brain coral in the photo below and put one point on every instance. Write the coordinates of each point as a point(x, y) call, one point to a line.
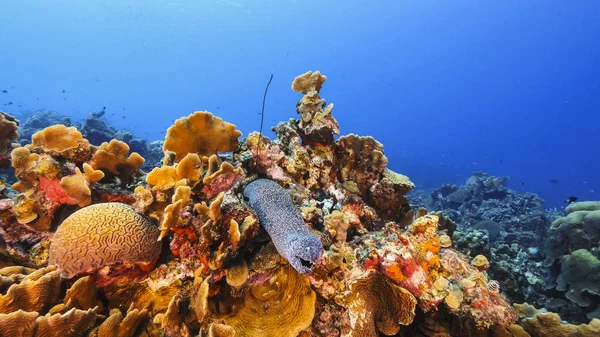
point(100, 235)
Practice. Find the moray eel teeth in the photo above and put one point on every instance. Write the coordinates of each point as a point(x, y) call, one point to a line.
point(283, 221)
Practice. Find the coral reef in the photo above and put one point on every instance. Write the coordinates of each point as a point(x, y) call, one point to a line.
point(571, 249)
point(324, 245)
point(506, 226)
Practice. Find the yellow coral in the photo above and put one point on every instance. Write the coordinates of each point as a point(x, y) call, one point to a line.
point(281, 307)
point(400, 181)
point(237, 274)
point(78, 185)
point(117, 325)
point(113, 157)
point(200, 133)
point(212, 211)
point(56, 138)
point(480, 262)
point(25, 209)
point(172, 211)
point(61, 141)
point(226, 168)
point(220, 330)
point(308, 81)
point(36, 292)
point(162, 178)
point(23, 159)
point(83, 293)
point(189, 168)
point(549, 324)
point(445, 241)
point(376, 304)
point(47, 167)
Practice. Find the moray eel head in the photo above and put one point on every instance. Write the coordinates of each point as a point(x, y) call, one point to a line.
point(305, 251)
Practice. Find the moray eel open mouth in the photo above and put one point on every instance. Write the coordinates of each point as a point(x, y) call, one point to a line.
point(306, 251)
point(306, 263)
point(283, 221)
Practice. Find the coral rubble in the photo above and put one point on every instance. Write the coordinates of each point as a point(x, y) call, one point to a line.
point(182, 253)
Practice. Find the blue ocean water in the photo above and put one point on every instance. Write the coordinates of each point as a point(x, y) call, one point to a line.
point(505, 87)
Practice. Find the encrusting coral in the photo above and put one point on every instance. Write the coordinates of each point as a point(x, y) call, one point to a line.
point(325, 244)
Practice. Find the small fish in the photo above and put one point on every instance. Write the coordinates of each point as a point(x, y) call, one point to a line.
point(553, 181)
point(571, 199)
point(522, 183)
point(4, 91)
point(64, 91)
point(9, 103)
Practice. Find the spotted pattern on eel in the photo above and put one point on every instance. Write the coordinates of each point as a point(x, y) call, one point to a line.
point(283, 221)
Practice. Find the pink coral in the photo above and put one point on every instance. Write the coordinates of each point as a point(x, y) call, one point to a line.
point(55, 192)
